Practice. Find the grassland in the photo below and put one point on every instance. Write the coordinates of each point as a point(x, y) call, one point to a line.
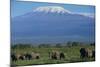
point(72, 54)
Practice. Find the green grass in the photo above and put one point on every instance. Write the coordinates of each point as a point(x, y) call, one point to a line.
point(71, 53)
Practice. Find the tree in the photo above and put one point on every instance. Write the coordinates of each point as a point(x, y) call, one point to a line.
point(92, 44)
point(58, 45)
point(44, 45)
point(21, 46)
point(75, 43)
point(69, 44)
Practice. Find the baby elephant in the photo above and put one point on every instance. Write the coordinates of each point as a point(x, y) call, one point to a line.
point(62, 55)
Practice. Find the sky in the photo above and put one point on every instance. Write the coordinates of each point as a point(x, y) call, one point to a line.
point(19, 8)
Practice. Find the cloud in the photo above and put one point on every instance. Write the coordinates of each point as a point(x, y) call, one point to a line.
point(91, 15)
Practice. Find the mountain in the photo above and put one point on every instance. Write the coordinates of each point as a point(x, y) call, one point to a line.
point(51, 9)
point(51, 24)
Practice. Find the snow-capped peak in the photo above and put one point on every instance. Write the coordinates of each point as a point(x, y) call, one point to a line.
point(52, 9)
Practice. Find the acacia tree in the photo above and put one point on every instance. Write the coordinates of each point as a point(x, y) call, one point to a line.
point(75, 43)
point(69, 44)
point(58, 45)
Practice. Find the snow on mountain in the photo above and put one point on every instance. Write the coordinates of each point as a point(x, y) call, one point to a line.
point(52, 9)
point(57, 25)
point(59, 10)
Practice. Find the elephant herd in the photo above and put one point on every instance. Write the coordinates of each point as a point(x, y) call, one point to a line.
point(55, 55)
point(25, 56)
point(87, 53)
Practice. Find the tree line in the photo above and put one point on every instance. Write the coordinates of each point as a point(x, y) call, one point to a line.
point(58, 45)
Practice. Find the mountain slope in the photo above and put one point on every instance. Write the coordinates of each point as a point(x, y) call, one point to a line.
point(52, 24)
